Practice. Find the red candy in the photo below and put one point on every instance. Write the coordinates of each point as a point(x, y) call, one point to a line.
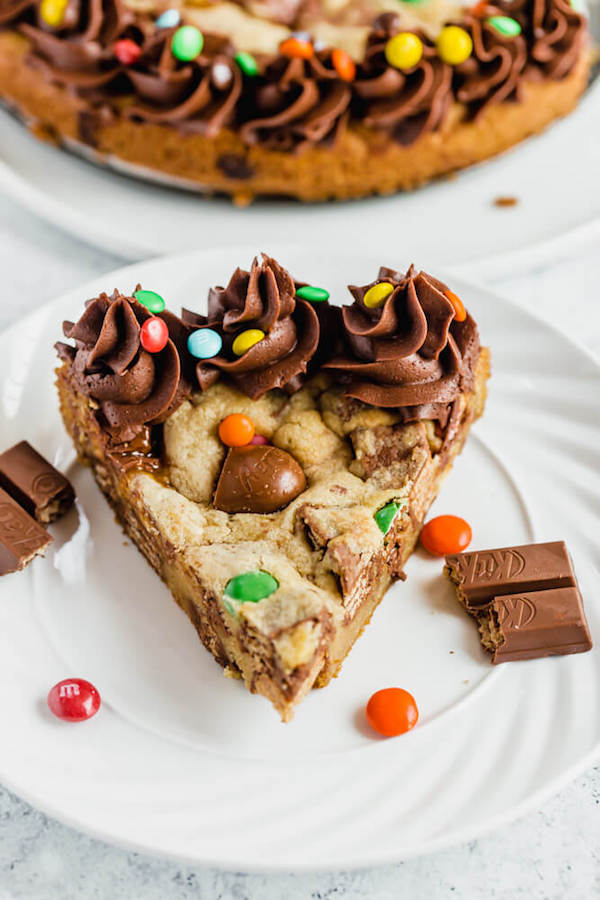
point(74, 700)
point(154, 335)
point(392, 711)
point(127, 51)
point(446, 534)
point(259, 439)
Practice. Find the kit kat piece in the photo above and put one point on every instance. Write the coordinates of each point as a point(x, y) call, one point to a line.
point(21, 537)
point(36, 485)
point(481, 575)
point(534, 624)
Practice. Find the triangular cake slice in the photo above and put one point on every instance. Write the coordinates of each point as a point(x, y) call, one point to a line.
point(323, 510)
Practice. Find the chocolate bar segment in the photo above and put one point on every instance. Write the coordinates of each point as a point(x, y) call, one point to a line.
point(482, 575)
point(36, 485)
point(21, 538)
point(534, 624)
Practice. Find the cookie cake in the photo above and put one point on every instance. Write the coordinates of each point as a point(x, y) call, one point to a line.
point(313, 99)
point(274, 460)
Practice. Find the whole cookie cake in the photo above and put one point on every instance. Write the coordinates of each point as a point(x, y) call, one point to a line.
point(314, 99)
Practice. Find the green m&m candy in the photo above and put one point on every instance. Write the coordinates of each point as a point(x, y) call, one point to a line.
point(247, 63)
point(187, 43)
point(313, 294)
point(250, 587)
point(505, 25)
point(386, 515)
point(151, 300)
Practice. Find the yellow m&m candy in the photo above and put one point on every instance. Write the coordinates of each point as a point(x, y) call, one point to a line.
point(53, 11)
point(247, 339)
point(454, 45)
point(378, 294)
point(404, 50)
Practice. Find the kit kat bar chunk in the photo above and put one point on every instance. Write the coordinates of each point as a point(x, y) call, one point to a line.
point(534, 624)
point(21, 537)
point(481, 575)
point(39, 488)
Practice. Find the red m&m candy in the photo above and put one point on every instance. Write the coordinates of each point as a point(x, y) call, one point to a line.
point(154, 335)
point(127, 51)
point(74, 700)
point(446, 534)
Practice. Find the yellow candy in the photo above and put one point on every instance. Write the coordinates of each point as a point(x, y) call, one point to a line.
point(53, 11)
point(404, 50)
point(247, 339)
point(377, 294)
point(454, 45)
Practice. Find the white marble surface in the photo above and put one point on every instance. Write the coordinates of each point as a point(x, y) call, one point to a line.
point(548, 855)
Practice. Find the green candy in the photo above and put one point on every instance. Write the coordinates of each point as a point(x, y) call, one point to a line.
point(251, 587)
point(187, 43)
point(151, 300)
point(313, 294)
point(505, 25)
point(247, 63)
point(386, 515)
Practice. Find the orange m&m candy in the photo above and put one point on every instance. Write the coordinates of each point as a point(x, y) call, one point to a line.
point(343, 64)
point(392, 711)
point(296, 47)
point(236, 430)
point(446, 534)
point(460, 313)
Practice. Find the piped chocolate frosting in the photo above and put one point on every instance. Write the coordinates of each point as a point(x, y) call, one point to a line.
point(132, 387)
point(262, 299)
point(410, 353)
point(291, 104)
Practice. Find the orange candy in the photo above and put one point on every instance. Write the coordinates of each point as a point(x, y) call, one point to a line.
point(236, 430)
point(392, 711)
point(460, 313)
point(295, 47)
point(446, 534)
point(343, 64)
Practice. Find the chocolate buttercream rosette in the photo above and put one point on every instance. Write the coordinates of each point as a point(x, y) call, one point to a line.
point(410, 352)
point(132, 387)
point(494, 72)
point(198, 97)
point(261, 300)
point(79, 52)
point(295, 103)
point(407, 102)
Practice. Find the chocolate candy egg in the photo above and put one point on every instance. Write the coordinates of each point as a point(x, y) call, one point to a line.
point(258, 479)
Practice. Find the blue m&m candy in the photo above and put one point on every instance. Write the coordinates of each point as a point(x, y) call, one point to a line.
point(204, 343)
point(170, 18)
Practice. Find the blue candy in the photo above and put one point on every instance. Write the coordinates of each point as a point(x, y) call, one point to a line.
point(169, 19)
point(204, 343)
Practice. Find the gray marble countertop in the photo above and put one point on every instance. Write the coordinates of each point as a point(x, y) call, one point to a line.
point(548, 855)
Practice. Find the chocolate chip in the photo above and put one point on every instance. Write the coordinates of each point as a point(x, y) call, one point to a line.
point(234, 166)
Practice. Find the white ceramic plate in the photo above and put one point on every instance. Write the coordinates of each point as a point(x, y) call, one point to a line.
point(453, 221)
point(182, 761)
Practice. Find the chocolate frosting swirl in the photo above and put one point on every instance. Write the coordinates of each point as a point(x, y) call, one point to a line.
point(408, 103)
point(294, 103)
point(555, 33)
point(133, 387)
point(263, 298)
point(79, 52)
point(410, 353)
point(198, 97)
point(494, 71)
